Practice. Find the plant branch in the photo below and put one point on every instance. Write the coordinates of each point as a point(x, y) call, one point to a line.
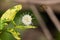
point(41, 23)
point(52, 17)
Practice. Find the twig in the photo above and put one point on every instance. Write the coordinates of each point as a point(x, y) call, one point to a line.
point(46, 2)
point(53, 17)
point(41, 22)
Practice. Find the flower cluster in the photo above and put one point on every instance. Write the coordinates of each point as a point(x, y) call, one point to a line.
point(27, 20)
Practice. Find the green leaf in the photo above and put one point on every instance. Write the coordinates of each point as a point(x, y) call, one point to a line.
point(2, 24)
point(24, 27)
point(11, 12)
point(6, 36)
point(10, 25)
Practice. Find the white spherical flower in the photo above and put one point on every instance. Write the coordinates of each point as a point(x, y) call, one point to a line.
point(27, 19)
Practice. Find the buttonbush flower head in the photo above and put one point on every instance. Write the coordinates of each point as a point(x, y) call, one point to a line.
point(26, 20)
